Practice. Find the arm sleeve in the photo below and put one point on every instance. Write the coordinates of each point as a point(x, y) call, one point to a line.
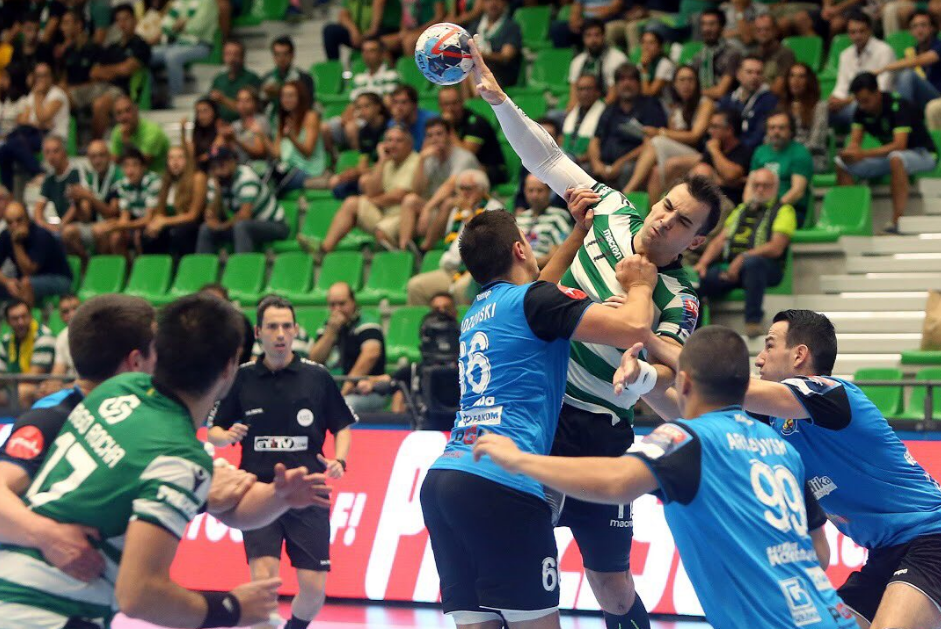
point(825, 400)
point(553, 311)
point(31, 437)
point(674, 455)
point(338, 415)
point(172, 490)
point(538, 151)
point(815, 514)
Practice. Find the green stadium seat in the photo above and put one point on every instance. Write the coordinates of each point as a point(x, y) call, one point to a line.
point(689, 51)
point(328, 77)
point(244, 276)
point(150, 277)
point(105, 274)
point(550, 70)
point(534, 105)
point(318, 218)
point(641, 201)
point(311, 319)
point(75, 263)
point(430, 103)
point(846, 211)
point(887, 399)
point(388, 277)
point(192, 273)
point(338, 266)
point(291, 275)
point(900, 42)
point(922, 357)
point(409, 74)
point(461, 311)
point(431, 261)
point(838, 44)
point(807, 49)
point(291, 213)
point(71, 144)
point(403, 340)
point(915, 409)
point(252, 313)
point(786, 287)
point(347, 160)
point(480, 107)
point(275, 9)
point(513, 163)
point(534, 23)
point(356, 240)
point(55, 323)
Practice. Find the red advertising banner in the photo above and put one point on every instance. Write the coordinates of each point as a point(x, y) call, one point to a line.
point(380, 549)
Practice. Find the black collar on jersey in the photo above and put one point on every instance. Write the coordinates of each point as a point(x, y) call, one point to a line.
point(262, 368)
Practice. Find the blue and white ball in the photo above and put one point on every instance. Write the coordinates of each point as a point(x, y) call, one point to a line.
point(443, 55)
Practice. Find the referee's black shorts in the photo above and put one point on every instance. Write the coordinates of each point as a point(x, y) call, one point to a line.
point(305, 533)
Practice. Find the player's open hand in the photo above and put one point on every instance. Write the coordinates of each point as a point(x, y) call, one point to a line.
point(487, 86)
point(299, 489)
point(636, 270)
point(68, 548)
point(334, 468)
point(629, 369)
point(500, 449)
point(229, 486)
point(581, 201)
point(258, 600)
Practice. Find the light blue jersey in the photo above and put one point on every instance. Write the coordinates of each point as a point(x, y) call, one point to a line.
point(733, 493)
point(513, 363)
point(871, 487)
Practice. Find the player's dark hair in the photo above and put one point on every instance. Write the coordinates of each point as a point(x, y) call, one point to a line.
point(197, 337)
point(215, 287)
point(283, 40)
point(716, 13)
point(408, 90)
point(705, 191)
point(716, 359)
point(864, 81)
point(11, 304)
point(122, 8)
point(273, 301)
point(105, 329)
point(856, 15)
point(486, 245)
point(806, 327)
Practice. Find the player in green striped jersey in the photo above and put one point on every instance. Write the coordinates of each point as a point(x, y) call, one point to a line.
point(595, 420)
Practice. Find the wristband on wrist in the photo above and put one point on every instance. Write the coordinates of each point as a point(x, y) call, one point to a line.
point(223, 610)
point(646, 380)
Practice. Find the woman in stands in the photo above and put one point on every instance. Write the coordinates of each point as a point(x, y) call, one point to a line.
point(688, 119)
point(802, 100)
point(205, 130)
point(175, 224)
point(656, 69)
point(300, 160)
point(246, 136)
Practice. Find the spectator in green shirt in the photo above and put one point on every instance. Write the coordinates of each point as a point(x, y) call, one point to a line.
point(146, 136)
point(55, 209)
point(226, 85)
point(790, 161)
point(189, 27)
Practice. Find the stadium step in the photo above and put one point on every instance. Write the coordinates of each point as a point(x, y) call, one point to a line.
point(863, 343)
point(869, 282)
point(920, 224)
point(846, 302)
point(910, 321)
point(859, 245)
point(897, 263)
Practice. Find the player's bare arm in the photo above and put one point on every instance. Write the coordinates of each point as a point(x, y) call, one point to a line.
point(593, 479)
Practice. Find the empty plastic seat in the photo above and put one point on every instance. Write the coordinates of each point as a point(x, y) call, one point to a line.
point(534, 105)
point(55, 323)
point(921, 357)
point(318, 218)
point(105, 274)
point(901, 41)
point(409, 74)
point(193, 272)
point(550, 70)
point(388, 277)
point(289, 243)
point(838, 44)
point(403, 340)
point(311, 318)
point(483, 109)
point(431, 261)
point(534, 24)
point(807, 49)
point(291, 275)
point(339, 266)
point(75, 263)
point(150, 277)
point(244, 276)
point(887, 399)
point(328, 77)
point(915, 409)
point(846, 211)
point(347, 160)
point(689, 51)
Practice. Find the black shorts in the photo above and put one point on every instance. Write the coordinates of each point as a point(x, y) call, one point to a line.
point(917, 563)
point(603, 532)
point(493, 545)
point(305, 533)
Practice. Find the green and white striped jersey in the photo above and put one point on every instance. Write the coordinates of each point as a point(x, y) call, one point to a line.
point(676, 305)
point(247, 187)
point(137, 199)
point(38, 349)
point(127, 452)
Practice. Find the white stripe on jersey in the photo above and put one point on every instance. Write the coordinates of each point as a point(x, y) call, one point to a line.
point(16, 616)
point(161, 512)
point(588, 382)
point(29, 572)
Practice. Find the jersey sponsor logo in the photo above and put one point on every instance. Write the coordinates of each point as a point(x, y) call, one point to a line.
point(254, 411)
point(789, 552)
point(819, 577)
point(117, 409)
point(666, 439)
point(799, 602)
point(486, 416)
point(822, 486)
point(280, 444)
point(690, 315)
point(899, 573)
point(572, 293)
point(484, 295)
point(305, 417)
point(178, 500)
point(26, 443)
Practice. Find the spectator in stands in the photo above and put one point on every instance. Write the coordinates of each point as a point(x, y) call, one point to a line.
point(6, 197)
point(726, 158)
point(364, 134)
point(378, 209)
point(440, 161)
point(144, 135)
point(284, 71)
point(62, 364)
point(119, 62)
point(27, 348)
point(566, 34)
point(226, 85)
point(37, 255)
point(639, 15)
point(44, 111)
point(189, 28)
point(404, 110)
point(918, 77)
point(867, 54)
point(246, 135)
point(473, 197)
point(206, 126)
point(519, 201)
point(656, 69)
point(474, 133)
point(619, 139)
point(354, 347)
point(54, 210)
point(500, 41)
point(299, 159)
point(740, 16)
point(545, 226)
point(581, 122)
point(777, 57)
point(92, 198)
point(839, 13)
point(28, 51)
point(181, 203)
point(241, 209)
point(717, 62)
point(465, 12)
point(416, 16)
point(751, 250)
point(789, 160)
point(134, 204)
point(598, 60)
point(358, 22)
point(752, 100)
point(905, 147)
point(802, 100)
point(689, 115)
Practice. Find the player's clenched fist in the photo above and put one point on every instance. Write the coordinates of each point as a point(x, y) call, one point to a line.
point(581, 201)
point(500, 449)
point(258, 600)
point(636, 271)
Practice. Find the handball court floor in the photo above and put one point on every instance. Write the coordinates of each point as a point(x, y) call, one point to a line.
point(348, 615)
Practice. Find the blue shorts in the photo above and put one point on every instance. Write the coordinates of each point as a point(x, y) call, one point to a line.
point(915, 160)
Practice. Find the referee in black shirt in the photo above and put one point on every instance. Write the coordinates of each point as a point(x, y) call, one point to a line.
point(281, 407)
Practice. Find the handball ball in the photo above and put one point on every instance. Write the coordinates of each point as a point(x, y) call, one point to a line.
point(443, 55)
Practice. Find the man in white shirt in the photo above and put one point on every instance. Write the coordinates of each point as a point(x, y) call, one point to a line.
point(62, 365)
point(867, 54)
point(598, 59)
